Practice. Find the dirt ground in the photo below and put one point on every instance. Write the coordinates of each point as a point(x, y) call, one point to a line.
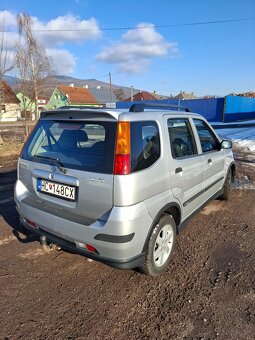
point(208, 291)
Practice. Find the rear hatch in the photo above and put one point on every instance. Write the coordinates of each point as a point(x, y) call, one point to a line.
point(67, 165)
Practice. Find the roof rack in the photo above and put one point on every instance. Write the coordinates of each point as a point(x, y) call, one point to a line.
point(71, 107)
point(141, 106)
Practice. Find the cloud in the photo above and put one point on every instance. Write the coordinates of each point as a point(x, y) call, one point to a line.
point(52, 34)
point(64, 62)
point(9, 40)
point(136, 49)
point(55, 31)
point(8, 23)
point(7, 20)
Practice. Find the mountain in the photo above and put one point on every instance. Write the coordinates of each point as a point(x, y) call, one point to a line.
point(49, 83)
point(12, 81)
point(90, 83)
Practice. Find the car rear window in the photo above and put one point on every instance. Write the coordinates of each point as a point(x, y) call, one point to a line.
point(145, 145)
point(87, 146)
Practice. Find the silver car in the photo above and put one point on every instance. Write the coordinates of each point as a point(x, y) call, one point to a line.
point(118, 186)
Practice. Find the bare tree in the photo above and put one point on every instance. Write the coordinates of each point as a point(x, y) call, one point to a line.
point(119, 94)
point(32, 61)
point(6, 65)
point(24, 85)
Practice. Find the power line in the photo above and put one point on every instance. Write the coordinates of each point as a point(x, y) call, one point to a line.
point(215, 22)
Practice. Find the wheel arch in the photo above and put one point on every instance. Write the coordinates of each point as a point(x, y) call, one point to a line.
point(172, 209)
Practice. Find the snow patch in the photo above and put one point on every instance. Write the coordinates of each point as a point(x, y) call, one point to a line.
point(244, 137)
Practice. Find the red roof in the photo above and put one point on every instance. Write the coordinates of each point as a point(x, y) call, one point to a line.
point(77, 95)
point(7, 94)
point(143, 95)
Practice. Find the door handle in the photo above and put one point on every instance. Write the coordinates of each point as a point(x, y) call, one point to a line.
point(178, 170)
point(209, 161)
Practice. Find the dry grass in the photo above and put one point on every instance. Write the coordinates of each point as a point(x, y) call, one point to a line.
point(10, 148)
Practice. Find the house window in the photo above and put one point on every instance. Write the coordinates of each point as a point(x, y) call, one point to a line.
point(3, 108)
point(56, 96)
point(27, 114)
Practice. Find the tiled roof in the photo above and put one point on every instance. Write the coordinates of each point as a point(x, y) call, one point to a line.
point(7, 94)
point(185, 95)
point(143, 95)
point(77, 95)
point(103, 95)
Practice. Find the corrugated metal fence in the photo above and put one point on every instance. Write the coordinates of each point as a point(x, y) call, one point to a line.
point(211, 109)
point(228, 109)
point(238, 108)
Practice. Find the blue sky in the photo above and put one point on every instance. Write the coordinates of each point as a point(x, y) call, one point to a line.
point(204, 59)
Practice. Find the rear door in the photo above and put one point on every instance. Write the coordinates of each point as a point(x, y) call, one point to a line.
point(185, 165)
point(67, 168)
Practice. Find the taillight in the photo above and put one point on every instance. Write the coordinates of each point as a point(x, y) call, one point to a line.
point(86, 246)
point(122, 152)
point(31, 223)
point(90, 248)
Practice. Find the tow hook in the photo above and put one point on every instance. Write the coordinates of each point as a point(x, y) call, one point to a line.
point(48, 247)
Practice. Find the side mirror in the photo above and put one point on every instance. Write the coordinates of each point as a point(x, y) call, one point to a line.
point(226, 144)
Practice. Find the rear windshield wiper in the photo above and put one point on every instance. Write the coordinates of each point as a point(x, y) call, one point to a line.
point(55, 160)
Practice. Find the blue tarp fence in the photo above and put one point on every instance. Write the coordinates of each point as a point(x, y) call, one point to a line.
point(238, 108)
point(228, 109)
point(211, 109)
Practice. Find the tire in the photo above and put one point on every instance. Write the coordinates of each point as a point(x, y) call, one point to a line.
point(160, 246)
point(227, 187)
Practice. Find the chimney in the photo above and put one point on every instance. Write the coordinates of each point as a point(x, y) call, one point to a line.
point(71, 85)
point(98, 87)
point(86, 86)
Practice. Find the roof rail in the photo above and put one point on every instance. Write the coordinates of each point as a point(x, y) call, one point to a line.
point(71, 107)
point(141, 106)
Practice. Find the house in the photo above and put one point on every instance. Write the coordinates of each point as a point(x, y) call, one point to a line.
point(103, 95)
point(183, 95)
point(27, 105)
point(9, 103)
point(159, 96)
point(42, 102)
point(70, 95)
point(142, 95)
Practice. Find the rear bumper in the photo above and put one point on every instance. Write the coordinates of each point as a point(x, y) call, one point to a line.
point(73, 248)
point(118, 240)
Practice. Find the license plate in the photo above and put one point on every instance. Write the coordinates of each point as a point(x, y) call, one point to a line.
point(56, 189)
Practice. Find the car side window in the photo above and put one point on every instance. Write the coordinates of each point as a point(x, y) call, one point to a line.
point(181, 137)
point(208, 140)
point(145, 144)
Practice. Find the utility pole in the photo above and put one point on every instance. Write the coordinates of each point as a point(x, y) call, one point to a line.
point(110, 81)
point(131, 93)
